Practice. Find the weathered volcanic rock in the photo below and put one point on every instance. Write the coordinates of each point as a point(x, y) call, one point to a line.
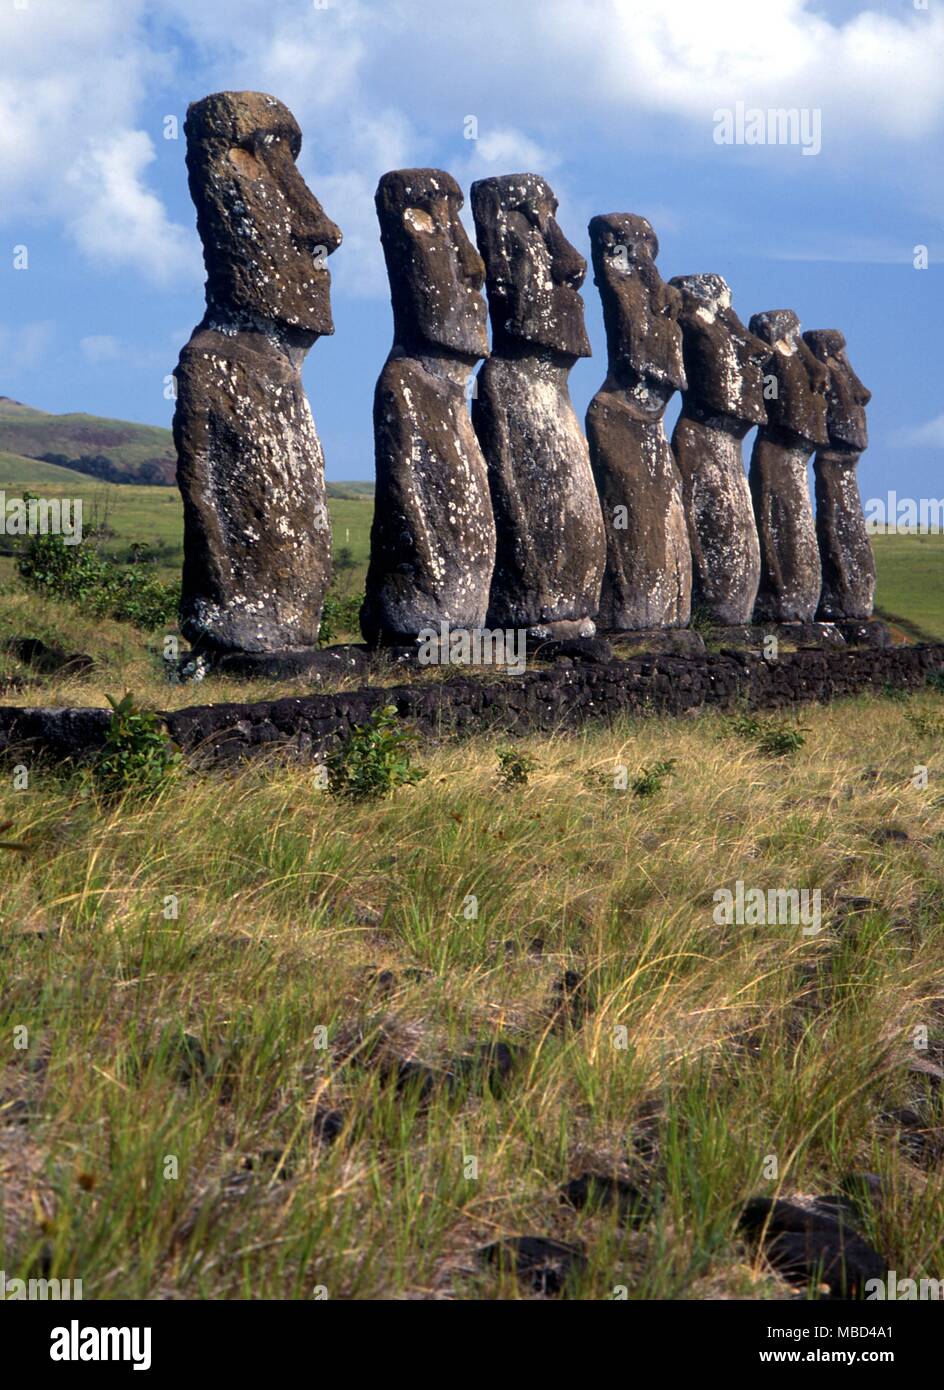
point(725, 398)
point(846, 555)
point(550, 543)
point(647, 581)
point(257, 543)
point(790, 580)
point(813, 1240)
point(432, 543)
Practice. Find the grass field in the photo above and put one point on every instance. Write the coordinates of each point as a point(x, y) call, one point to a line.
point(911, 582)
point(215, 1105)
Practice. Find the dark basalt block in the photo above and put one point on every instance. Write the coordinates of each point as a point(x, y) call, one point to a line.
point(315, 666)
point(815, 1242)
point(872, 633)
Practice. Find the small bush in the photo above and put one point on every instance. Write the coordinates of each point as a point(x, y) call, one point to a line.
point(137, 755)
point(375, 759)
point(652, 779)
point(339, 615)
point(772, 737)
point(936, 681)
point(514, 767)
point(927, 725)
point(778, 738)
point(746, 726)
point(81, 574)
point(894, 692)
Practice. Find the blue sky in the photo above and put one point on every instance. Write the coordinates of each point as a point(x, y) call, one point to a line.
point(614, 101)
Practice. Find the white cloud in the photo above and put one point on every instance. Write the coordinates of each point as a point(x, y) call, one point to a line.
point(504, 150)
point(118, 221)
point(928, 435)
point(24, 346)
point(377, 85)
point(100, 347)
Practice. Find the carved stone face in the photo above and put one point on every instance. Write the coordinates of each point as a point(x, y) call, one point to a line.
point(846, 397)
point(533, 274)
point(266, 238)
point(799, 406)
point(640, 310)
point(724, 362)
point(436, 274)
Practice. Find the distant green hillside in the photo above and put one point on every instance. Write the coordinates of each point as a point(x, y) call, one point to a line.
point(112, 450)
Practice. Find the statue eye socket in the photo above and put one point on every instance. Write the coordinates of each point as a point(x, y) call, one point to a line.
point(419, 219)
point(245, 162)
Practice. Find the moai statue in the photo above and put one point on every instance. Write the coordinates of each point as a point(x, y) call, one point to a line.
point(257, 543)
point(724, 399)
point(551, 547)
point(790, 579)
point(432, 543)
point(647, 582)
point(847, 560)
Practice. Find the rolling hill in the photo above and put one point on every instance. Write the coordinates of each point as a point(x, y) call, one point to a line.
point(115, 451)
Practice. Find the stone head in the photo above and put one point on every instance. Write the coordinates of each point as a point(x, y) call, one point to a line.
point(640, 311)
point(533, 274)
point(846, 397)
point(266, 238)
point(724, 361)
point(436, 274)
point(798, 407)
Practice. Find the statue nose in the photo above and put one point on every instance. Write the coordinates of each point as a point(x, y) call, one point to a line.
point(568, 267)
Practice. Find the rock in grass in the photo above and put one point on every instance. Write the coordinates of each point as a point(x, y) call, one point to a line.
point(488, 1067)
point(812, 1244)
point(604, 1191)
point(542, 1264)
point(327, 1125)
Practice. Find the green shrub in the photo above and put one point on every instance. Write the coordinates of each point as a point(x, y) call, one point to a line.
point(652, 779)
point(375, 759)
point(936, 681)
point(746, 726)
point(339, 615)
point(137, 755)
point(778, 738)
point(772, 737)
point(514, 767)
point(81, 574)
